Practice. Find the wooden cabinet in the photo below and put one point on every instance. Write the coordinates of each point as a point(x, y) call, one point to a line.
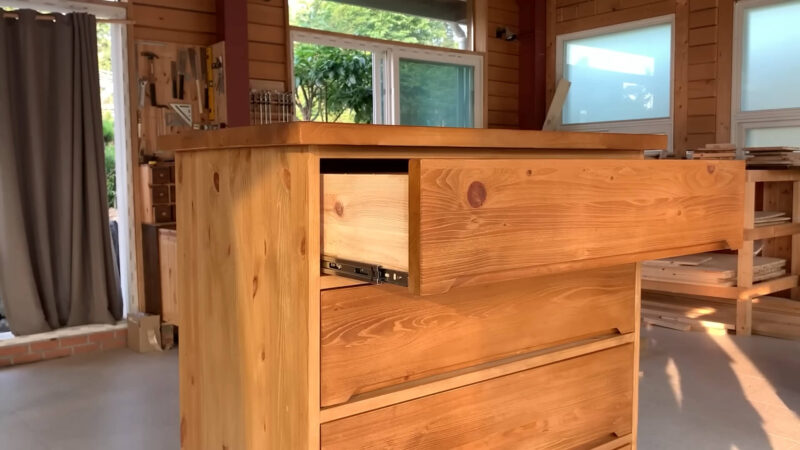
point(577, 403)
point(168, 269)
point(158, 192)
point(511, 316)
point(379, 336)
point(468, 222)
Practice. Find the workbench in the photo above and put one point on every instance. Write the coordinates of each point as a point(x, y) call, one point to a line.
point(359, 286)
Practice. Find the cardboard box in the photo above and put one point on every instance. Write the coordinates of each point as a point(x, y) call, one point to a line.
point(144, 332)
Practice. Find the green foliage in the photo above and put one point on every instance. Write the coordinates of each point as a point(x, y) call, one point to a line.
point(375, 23)
point(334, 84)
point(104, 46)
point(110, 162)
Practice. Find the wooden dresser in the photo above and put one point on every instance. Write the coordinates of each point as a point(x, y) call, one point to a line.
point(360, 286)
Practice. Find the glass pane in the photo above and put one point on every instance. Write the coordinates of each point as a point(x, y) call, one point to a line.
point(773, 137)
point(770, 64)
point(440, 24)
point(436, 94)
point(332, 84)
point(619, 76)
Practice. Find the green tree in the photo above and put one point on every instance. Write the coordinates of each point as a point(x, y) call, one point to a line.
point(334, 84)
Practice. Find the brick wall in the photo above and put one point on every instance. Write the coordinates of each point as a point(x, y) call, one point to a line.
point(59, 347)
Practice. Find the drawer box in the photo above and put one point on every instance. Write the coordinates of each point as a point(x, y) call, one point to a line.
point(522, 410)
point(465, 222)
point(160, 194)
point(374, 337)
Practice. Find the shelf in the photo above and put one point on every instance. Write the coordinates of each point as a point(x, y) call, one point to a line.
point(771, 231)
point(773, 175)
point(730, 292)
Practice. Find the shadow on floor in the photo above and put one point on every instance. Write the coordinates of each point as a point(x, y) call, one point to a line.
point(704, 392)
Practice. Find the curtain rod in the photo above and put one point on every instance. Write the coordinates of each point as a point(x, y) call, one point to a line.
point(50, 18)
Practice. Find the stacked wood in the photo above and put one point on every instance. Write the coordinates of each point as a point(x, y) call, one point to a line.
point(772, 316)
point(710, 269)
point(772, 157)
point(766, 218)
point(715, 151)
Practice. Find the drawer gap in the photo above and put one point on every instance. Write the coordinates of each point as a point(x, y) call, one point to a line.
point(363, 166)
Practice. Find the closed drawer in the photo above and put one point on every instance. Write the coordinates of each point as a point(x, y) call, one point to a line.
point(374, 337)
point(160, 194)
point(458, 222)
point(162, 174)
point(523, 410)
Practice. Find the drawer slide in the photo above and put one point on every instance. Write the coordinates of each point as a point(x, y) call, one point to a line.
point(371, 273)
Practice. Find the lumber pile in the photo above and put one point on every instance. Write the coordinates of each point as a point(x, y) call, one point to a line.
point(766, 218)
point(772, 157)
point(772, 316)
point(710, 269)
point(715, 151)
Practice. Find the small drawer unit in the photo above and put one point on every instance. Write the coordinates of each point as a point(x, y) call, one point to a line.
point(157, 182)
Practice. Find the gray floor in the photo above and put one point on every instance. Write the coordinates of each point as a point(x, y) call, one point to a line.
point(697, 392)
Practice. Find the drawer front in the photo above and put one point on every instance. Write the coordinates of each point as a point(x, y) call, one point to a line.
point(578, 403)
point(163, 213)
point(162, 175)
point(378, 336)
point(160, 194)
point(480, 221)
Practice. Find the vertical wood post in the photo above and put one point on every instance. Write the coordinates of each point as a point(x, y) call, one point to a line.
point(232, 28)
point(532, 63)
point(744, 267)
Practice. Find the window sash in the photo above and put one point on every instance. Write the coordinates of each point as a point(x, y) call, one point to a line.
point(388, 112)
point(742, 121)
point(561, 41)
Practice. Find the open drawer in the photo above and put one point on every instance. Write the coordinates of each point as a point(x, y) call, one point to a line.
point(460, 222)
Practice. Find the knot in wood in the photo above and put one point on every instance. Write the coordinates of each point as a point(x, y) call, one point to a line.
point(476, 194)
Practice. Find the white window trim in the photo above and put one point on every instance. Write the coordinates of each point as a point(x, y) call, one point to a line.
point(391, 53)
point(741, 121)
point(648, 126)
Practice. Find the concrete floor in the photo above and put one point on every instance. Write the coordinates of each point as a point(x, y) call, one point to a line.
point(697, 392)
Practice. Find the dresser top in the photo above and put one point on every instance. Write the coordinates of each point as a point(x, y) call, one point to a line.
point(357, 135)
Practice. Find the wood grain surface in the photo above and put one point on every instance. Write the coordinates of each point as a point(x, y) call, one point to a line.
point(522, 410)
point(378, 336)
point(248, 270)
point(482, 221)
point(365, 218)
point(315, 133)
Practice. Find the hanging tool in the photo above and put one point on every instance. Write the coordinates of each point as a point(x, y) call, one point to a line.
point(152, 57)
point(181, 71)
point(195, 74)
point(204, 68)
point(173, 69)
point(208, 74)
point(184, 112)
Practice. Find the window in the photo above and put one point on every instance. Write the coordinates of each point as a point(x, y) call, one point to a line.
point(439, 24)
point(352, 80)
point(620, 78)
point(766, 98)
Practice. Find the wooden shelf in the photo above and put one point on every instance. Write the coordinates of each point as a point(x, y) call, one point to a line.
point(771, 231)
point(730, 292)
point(759, 176)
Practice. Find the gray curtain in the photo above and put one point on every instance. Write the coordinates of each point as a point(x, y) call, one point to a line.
point(56, 263)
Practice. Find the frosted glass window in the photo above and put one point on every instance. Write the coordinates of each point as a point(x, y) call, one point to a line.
point(436, 94)
point(771, 57)
point(619, 76)
point(773, 137)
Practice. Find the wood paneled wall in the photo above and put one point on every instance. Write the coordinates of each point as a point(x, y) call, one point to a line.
point(502, 65)
point(176, 21)
point(702, 64)
point(267, 35)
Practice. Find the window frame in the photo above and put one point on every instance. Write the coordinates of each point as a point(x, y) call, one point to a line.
point(648, 126)
point(390, 53)
point(742, 121)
